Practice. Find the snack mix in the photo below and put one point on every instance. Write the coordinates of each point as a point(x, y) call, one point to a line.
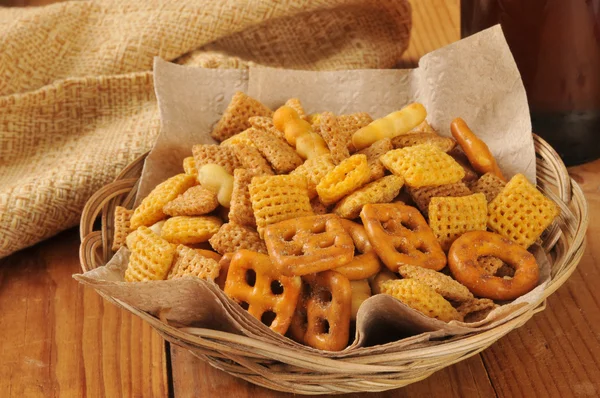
point(301, 217)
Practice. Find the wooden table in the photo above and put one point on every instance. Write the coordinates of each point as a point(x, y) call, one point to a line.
point(59, 338)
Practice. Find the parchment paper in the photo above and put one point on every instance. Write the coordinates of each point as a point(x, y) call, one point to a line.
point(475, 78)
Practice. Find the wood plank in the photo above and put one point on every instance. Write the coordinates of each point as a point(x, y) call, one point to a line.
point(557, 353)
point(59, 338)
point(192, 376)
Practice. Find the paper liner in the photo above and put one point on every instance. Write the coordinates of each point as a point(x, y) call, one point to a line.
point(475, 78)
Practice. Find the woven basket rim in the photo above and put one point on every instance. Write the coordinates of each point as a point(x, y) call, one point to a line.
point(550, 168)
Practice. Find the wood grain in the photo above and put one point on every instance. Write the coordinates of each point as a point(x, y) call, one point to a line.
point(557, 353)
point(59, 338)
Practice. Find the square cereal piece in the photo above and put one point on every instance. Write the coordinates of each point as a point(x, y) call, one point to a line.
point(266, 124)
point(238, 139)
point(450, 217)
point(189, 261)
point(351, 123)
point(151, 256)
point(383, 190)
point(240, 210)
point(224, 156)
point(318, 207)
point(189, 166)
point(445, 144)
point(235, 117)
point(150, 210)
point(307, 245)
point(349, 175)
point(196, 201)
point(423, 165)
point(373, 153)
point(424, 127)
point(122, 227)
point(422, 196)
point(190, 230)
point(232, 237)
point(251, 159)
point(488, 184)
point(314, 169)
point(332, 134)
point(282, 157)
point(520, 212)
point(278, 198)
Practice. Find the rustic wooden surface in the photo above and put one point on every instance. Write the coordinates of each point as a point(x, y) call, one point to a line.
point(60, 339)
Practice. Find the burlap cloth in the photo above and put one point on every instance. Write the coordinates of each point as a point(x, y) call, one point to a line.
point(77, 100)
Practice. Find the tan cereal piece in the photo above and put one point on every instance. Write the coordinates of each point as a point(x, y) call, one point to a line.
point(189, 166)
point(332, 134)
point(296, 105)
point(422, 298)
point(422, 196)
point(151, 209)
point(351, 123)
point(266, 124)
point(232, 237)
point(224, 156)
point(318, 207)
point(488, 184)
point(451, 217)
point(423, 165)
point(445, 144)
point(476, 309)
point(189, 262)
point(346, 177)
point(424, 127)
point(235, 117)
point(122, 226)
point(444, 285)
point(251, 160)
point(459, 156)
point(373, 153)
point(490, 264)
point(278, 198)
point(196, 201)
point(238, 139)
point(520, 212)
point(383, 190)
point(240, 210)
point(282, 157)
point(314, 169)
point(151, 256)
point(190, 230)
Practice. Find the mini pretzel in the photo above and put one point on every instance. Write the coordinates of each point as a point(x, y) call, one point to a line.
point(322, 316)
point(364, 265)
point(402, 236)
point(477, 151)
point(463, 263)
point(309, 244)
point(268, 295)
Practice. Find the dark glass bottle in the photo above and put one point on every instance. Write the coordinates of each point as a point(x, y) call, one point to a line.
point(556, 45)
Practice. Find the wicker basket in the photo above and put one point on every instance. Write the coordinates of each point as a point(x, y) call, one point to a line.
point(305, 373)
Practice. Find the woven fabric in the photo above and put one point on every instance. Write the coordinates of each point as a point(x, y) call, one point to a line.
point(77, 100)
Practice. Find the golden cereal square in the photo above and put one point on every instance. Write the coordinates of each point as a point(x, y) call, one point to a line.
point(189, 262)
point(232, 237)
point(346, 177)
point(190, 230)
point(282, 157)
point(196, 201)
point(373, 153)
point(444, 285)
point(488, 184)
point(314, 169)
point(240, 210)
point(150, 210)
point(422, 196)
point(238, 139)
point(450, 217)
point(383, 190)
point(224, 156)
point(189, 166)
point(122, 227)
point(520, 212)
point(235, 117)
point(423, 165)
point(151, 256)
point(278, 198)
